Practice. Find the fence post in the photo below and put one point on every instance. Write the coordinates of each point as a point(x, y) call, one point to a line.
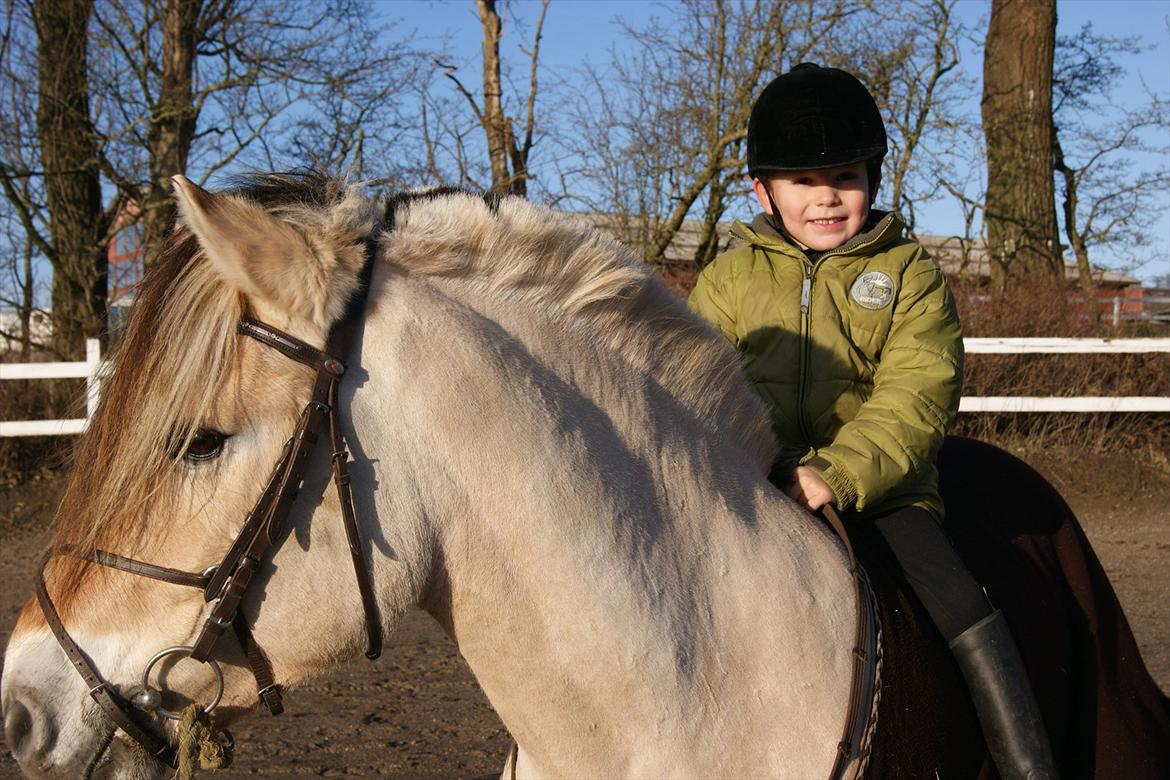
point(93, 383)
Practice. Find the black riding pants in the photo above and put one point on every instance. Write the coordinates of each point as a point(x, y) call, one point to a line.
point(939, 578)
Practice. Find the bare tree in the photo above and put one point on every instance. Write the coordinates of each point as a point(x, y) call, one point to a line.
point(970, 198)
point(213, 83)
point(129, 92)
point(450, 154)
point(173, 117)
point(663, 128)
point(1020, 212)
point(25, 229)
point(1107, 199)
point(907, 53)
point(18, 289)
point(508, 153)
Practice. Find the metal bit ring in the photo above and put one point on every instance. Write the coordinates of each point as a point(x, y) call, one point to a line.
point(185, 652)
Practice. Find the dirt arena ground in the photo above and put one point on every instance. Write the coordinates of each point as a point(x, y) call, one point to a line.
point(417, 712)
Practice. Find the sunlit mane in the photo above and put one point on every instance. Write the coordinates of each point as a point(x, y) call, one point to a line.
point(179, 341)
point(584, 279)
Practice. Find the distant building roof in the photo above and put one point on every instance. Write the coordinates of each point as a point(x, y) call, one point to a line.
point(11, 327)
point(946, 250)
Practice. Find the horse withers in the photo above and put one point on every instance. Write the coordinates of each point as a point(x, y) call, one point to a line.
point(552, 456)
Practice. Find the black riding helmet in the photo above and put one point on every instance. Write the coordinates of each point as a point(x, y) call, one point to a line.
point(814, 117)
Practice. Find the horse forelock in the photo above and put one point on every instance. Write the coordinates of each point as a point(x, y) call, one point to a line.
point(165, 368)
point(583, 279)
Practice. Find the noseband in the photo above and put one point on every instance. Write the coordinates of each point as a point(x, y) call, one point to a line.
point(227, 582)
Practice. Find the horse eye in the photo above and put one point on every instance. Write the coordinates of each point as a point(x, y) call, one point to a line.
point(205, 445)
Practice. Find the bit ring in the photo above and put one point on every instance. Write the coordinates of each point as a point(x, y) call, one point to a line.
point(185, 652)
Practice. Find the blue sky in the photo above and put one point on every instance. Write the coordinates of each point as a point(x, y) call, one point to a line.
point(581, 31)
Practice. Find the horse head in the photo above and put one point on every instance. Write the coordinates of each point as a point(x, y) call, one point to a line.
point(552, 456)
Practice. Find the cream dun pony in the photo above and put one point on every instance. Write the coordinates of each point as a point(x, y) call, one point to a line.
point(553, 457)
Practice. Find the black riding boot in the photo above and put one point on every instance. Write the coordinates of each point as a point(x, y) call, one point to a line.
point(1007, 710)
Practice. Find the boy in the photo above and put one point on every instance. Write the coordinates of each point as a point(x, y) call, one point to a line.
point(849, 333)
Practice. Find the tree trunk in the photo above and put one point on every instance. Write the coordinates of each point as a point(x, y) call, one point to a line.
point(172, 120)
point(1071, 230)
point(77, 225)
point(1022, 236)
point(708, 246)
point(504, 146)
point(494, 125)
point(27, 302)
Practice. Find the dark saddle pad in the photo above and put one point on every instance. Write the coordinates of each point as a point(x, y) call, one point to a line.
point(1105, 716)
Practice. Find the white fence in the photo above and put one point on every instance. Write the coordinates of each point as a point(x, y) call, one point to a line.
point(90, 371)
point(1034, 346)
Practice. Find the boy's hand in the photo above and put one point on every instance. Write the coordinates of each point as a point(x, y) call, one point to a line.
point(809, 490)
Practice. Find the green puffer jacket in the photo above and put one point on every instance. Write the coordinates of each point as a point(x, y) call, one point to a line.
point(858, 354)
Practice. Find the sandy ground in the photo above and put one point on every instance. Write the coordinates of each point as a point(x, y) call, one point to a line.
point(417, 712)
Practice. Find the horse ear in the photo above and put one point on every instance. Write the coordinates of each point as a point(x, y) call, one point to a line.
point(263, 257)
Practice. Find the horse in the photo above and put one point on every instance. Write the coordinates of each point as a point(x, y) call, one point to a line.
point(552, 456)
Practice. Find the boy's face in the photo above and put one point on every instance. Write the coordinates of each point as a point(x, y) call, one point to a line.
point(821, 208)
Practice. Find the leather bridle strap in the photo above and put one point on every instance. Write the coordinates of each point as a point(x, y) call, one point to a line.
point(265, 523)
point(341, 478)
point(141, 568)
point(261, 530)
point(228, 582)
point(111, 703)
point(115, 707)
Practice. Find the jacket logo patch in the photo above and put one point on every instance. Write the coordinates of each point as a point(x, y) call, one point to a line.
point(873, 290)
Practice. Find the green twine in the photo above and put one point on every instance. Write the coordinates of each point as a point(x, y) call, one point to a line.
point(199, 747)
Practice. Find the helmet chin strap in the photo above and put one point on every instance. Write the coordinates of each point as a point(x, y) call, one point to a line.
point(874, 171)
point(772, 205)
point(779, 220)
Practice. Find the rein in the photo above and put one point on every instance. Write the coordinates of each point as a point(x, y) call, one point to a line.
point(228, 582)
point(859, 721)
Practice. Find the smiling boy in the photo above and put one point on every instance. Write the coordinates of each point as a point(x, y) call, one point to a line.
point(849, 333)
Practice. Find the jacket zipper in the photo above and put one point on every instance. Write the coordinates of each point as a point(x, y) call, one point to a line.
point(805, 348)
point(806, 325)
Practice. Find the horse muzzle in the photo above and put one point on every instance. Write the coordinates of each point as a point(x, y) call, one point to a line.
point(50, 748)
point(54, 729)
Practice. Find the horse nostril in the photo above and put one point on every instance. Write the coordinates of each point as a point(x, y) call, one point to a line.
point(29, 736)
point(18, 726)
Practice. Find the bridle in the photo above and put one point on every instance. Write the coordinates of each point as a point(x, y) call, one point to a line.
point(228, 582)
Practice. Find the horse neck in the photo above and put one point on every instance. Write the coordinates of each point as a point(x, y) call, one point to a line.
point(595, 545)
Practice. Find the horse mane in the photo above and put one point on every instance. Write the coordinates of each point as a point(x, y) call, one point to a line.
point(180, 341)
point(582, 278)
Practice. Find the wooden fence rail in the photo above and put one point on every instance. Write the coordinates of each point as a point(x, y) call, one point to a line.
point(91, 369)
